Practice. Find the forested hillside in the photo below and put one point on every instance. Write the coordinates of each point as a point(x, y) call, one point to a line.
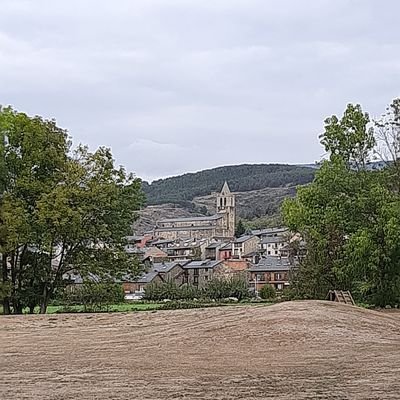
point(241, 178)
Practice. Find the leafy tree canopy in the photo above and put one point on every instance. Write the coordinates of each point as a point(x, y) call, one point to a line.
point(349, 217)
point(61, 210)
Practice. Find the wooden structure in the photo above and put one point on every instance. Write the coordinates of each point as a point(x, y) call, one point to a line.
point(341, 296)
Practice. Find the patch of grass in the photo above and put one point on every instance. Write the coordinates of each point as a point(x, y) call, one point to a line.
point(145, 306)
point(124, 307)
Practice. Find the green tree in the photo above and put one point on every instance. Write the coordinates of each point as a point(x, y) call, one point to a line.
point(267, 292)
point(349, 139)
point(34, 153)
point(61, 211)
point(349, 217)
point(240, 229)
point(221, 288)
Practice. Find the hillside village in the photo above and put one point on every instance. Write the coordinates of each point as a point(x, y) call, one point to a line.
point(195, 250)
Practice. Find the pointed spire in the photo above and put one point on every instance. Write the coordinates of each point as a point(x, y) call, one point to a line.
point(225, 189)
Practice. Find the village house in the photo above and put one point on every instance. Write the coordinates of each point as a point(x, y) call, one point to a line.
point(158, 273)
point(244, 245)
point(171, 271)
point(199, 273)
point(154, 255)
point(296, 249)
point(188, 249)
point(270, 232)
point(134, 285)
point(230, 268)
point(162, 244)
point(274, 271)
point(225, 252)
point(212, 251)
point(138, 241)
point(271, 245)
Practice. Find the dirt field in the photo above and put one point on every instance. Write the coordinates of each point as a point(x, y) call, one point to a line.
point(298, 350)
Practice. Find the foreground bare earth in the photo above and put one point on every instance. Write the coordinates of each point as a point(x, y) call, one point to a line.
point(296, 350)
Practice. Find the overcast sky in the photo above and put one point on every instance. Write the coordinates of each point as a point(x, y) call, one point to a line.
point(181, 85)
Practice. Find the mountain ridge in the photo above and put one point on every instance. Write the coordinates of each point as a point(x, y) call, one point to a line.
point(184, 188)
point(260, 190)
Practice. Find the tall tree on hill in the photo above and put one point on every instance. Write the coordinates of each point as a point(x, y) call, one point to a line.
point(60, 211)
point(240, 229)
point(349, 217)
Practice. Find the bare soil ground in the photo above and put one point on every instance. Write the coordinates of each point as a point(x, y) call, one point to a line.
point(294, 350)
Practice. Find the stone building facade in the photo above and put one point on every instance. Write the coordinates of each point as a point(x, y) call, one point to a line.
point(222, 224)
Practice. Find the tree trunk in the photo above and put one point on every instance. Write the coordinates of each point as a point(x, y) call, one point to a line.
point(6, 299)
point(45, 301)
point(17, 307)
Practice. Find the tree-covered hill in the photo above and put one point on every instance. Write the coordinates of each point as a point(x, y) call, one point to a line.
point(241, 178)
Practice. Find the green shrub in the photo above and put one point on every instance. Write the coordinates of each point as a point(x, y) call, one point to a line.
point(177, 305)
point(171, 291)
point(220, 288)
point(217, 289)
point(267, 292)
point(290, 293)
point(94, 296)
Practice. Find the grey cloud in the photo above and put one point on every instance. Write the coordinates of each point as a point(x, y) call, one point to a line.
point(174, 86)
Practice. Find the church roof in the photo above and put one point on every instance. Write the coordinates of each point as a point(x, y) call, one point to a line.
point(225, 189)
point(188, 219)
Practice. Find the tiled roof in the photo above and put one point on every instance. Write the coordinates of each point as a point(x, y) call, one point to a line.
point(269, 231)
point(202, 264)
point(189, 219)
point(165, 267)
point(271, 263)
point(187, 228)
point(244, 238)
point(273, 239)
point(215, 245)
point(147, 277)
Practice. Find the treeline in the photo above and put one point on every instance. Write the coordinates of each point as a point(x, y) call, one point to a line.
point(350, 215)
point(182, 189)
point(216, 289)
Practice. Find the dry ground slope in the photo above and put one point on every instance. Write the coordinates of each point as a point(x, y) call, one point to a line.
point(294, 350)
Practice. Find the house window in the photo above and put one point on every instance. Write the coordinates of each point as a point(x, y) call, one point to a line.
point(196, 272)
point(195, 280)
point(206, 277)
point(278, 277)
point(276, 252)
point(269, 253)
point(205, 269)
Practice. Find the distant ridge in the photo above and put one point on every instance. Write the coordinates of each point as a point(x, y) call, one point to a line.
point(241, 178)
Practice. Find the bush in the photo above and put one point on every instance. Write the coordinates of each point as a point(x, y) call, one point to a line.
point(94, 296)
point(177, 305)
point(171, 291)
point(219, 288)
point(267, 292)
point(290, 293)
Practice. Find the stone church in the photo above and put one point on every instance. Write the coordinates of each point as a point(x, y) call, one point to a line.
point(220, 225)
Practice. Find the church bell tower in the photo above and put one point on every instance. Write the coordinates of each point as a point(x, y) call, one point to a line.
point(226, 206)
